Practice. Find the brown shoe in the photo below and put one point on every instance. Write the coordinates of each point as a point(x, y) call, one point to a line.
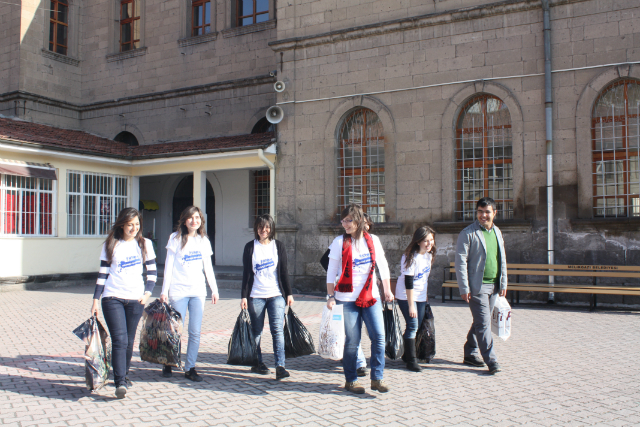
point(354, 387)
point(380, 386)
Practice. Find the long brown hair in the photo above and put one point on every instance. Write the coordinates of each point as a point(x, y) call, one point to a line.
point(357, 215)
point(419, 235)
point(125, 216)
point(181, 228)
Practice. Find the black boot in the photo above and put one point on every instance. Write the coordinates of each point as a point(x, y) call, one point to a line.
point(410, 353)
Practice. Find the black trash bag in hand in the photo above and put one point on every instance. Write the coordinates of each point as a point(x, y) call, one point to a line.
point(161, 334)
point(394, 343)
point(426, 337)
point(297, 339)
point(97, 352)
point(242, 345)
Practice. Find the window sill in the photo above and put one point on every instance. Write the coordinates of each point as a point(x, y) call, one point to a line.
point(190, 41)
point(378, 228)
point(455, 227)
point(620, 225)
point(247, 29)
point(60, 58)
point(126, 55)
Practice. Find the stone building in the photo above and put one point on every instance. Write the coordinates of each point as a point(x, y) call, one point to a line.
point(414, 109)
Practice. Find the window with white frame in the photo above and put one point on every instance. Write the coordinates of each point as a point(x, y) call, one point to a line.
point(27, 206)
point(94, 201)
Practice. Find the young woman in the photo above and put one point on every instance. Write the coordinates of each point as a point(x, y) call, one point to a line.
point(265, 285)
point(361, 363)
point(411, 289)
point(187, 269)
point(123, 290)
point(353, 258)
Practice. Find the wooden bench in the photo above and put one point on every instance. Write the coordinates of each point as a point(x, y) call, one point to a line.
point(595, 272)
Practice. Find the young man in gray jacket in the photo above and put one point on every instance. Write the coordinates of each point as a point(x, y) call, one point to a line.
point(481, 271)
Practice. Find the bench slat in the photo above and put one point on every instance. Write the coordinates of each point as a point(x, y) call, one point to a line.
point(534, 287)
point(574, 268)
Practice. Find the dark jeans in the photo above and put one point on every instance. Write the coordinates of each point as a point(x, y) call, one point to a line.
point(412, 323)
point(275, 306)
point(122, 317)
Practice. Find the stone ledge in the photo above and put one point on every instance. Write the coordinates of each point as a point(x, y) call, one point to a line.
point(60, 58)
point(190, 41)
point(287, 228)
point(247, 29)
point(378, 228)
point(126, 55)
point(605, 224)
point(513, 226)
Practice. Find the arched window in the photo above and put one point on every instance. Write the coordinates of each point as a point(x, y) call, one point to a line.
point(616, 142)
point(263, 126)
point(361, 163)
point(126, 137)
point(483, 157)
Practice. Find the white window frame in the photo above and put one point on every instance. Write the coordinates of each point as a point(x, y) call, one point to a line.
point(77, 229)
point(38, 191)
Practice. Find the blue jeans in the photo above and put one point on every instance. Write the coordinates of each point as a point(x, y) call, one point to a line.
point(122, 317)
point(275, 306)
point(353, 318)
point(412, 323)
point(195, 305)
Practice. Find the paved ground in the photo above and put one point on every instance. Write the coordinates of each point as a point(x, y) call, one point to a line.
point(560, 367)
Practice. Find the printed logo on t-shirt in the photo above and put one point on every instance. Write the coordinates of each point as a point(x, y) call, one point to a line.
point(264, 265)
point(190, 257)
point(130, 261)
point(364, 259)
point(420, 275)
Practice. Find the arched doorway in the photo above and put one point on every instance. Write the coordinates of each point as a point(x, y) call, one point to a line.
point(183, 197)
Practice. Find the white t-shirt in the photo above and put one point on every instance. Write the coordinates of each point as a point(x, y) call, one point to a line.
point(264, 264)
point(187, 277)
point(361, 265)
point(420, 268)
point(125, 272)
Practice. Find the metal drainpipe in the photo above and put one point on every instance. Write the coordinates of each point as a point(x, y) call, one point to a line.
point(272, 183)
point(548, 107)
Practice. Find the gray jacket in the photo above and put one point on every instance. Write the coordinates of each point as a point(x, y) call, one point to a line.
point(471, 255)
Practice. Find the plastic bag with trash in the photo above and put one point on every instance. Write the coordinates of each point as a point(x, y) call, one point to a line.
point(242, 345)
point(297, 339)
point(97, 353)
point(331, 343)
point(426, 337)
point(161, 334)
point(394, 343)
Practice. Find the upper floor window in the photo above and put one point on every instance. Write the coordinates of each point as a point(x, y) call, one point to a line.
point(94, 201)
point(129, 25)
point(26, 205)
point(483, 157)
point(59, 26)
point(126, 137)
point(252, 11)
point(263, 126)
point(616, 143)
point(361, 163)
point(201, 17)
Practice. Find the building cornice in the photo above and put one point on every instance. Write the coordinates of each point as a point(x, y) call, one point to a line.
point(136, 99)
point(412, 23)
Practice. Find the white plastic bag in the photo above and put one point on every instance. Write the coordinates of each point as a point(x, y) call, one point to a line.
point(501, 319)
point(331, 333)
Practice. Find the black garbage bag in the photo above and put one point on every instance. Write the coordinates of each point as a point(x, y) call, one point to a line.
point(97, 353)
point(394, 343)
point(242, 345)
point(297, 339)
point(426, 337)
point(161, 334)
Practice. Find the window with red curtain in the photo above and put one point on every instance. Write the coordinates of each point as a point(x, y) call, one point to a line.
point(26, 205)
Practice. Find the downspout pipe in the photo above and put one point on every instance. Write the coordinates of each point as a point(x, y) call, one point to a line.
point(548, 109)
point(272, 183)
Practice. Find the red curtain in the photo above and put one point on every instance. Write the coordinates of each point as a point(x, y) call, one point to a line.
point(10, 213)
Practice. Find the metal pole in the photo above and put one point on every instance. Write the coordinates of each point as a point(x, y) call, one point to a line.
point(548, 107)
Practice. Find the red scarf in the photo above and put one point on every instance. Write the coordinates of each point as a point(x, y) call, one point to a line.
point(345, 284)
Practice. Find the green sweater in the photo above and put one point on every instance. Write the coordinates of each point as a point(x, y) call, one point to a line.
point(492, 264)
